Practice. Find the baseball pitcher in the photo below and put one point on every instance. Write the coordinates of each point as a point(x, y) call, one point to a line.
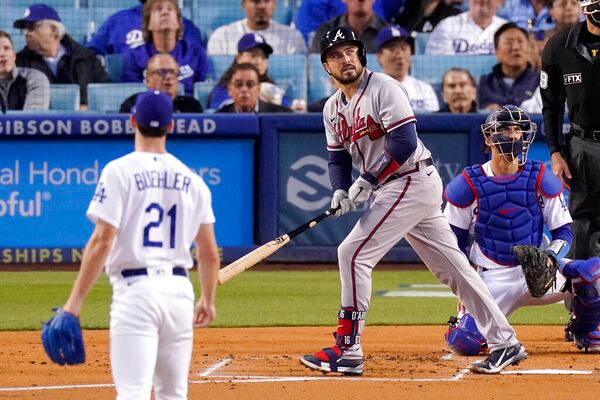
point(148, 209)
point(369, 123)
point(504, 206)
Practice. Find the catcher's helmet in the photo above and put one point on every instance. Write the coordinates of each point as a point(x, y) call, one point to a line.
point(498, 123)
point(339, 35)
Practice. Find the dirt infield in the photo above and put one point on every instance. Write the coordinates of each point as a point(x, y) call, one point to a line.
point(262, 363)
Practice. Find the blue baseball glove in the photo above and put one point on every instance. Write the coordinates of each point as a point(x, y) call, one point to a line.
point(62, 339)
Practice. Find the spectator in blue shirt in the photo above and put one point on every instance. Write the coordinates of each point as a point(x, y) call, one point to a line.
point(531, 15)
point(123, 31)
point(512, 80)
point(162, 29)
point(313, 13)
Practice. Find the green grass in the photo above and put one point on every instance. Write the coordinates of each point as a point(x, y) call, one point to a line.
point(255, 298)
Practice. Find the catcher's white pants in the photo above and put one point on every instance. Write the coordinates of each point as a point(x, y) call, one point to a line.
point(151, 337)
point(410, 207)
point(509, 289)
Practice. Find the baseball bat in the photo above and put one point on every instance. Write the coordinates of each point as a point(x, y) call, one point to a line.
point(259, 254)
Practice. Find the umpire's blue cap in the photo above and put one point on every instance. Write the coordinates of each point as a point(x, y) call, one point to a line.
point(153, 109)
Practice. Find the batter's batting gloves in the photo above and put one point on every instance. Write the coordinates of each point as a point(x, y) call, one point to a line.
point(62, 339)
point(360, 191)
point(341, 201)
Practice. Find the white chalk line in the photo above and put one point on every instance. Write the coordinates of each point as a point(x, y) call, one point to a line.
point(215, 366)
point(270, 379)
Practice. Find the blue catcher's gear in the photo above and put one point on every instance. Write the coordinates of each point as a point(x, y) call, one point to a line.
point(511, 132)
point(464, 338)
point(62, 339)
point(340, 35)
point(586, 303)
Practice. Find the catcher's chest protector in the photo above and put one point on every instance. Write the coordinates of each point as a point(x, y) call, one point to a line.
point(508, 211)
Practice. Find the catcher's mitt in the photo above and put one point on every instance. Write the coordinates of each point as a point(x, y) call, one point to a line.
point(539, 269)
point(62, 339)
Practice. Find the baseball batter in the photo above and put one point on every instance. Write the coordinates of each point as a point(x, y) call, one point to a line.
point(148, 209)
point(369, 123)
point(507, 202)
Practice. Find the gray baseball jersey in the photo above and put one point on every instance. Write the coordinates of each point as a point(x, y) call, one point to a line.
point(408, 206)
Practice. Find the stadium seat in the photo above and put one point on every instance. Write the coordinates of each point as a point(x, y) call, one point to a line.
point(65, 96)
point(114, 66)
point(421, 42)
point(77, 22)
point(107, 97)
point(202, 90)
point(431, 68)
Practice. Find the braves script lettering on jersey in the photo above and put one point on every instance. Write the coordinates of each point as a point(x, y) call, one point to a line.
point(407, 206)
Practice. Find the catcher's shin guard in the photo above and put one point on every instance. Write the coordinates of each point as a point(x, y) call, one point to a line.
point(346, 356)
point(464, 338)
point(586, 312)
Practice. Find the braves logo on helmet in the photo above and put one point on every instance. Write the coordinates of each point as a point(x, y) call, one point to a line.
point(340, 35)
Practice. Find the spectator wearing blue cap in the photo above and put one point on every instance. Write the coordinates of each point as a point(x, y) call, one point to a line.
point(284, 39)
point(252, 49)
point(123, 31)
point(244, 90)
point(20, 88)
point(52, 51)
point(394, 52)
point(161, 74)
point(162, 28)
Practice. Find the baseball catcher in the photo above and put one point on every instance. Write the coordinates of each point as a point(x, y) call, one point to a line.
point(539, 268)
point(62, 339)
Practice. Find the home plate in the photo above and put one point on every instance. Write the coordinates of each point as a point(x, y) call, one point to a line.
point(547, 372)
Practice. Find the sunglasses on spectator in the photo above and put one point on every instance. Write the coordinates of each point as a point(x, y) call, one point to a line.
point(165, 72)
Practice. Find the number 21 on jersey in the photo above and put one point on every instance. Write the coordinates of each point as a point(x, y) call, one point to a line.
point(157, 215)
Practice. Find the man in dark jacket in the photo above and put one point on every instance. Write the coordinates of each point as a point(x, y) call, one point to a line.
point(513, 80)
point(161, 74)
point(50, 50)
point(20, 88)
point(244, 89)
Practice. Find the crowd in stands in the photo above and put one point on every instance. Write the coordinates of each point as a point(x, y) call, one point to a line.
point(167, 51)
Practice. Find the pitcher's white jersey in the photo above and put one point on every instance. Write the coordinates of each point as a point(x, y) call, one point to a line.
point(359, 126)
point(147, 196)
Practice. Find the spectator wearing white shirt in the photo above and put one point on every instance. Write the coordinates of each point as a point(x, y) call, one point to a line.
point(468, 33)
point(259, 13)
point(394, 52)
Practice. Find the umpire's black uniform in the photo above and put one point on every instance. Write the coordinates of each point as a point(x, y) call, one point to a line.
point(571, 72)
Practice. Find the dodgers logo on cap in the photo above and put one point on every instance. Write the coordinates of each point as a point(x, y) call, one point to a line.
point(153, 109)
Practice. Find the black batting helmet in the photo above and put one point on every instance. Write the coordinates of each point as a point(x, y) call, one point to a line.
point(339, 35)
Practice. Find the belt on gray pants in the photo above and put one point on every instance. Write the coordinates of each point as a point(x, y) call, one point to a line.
point(127, 273)
point(419, 165)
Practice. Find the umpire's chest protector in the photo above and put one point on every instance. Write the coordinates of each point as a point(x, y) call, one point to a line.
point(508, 211)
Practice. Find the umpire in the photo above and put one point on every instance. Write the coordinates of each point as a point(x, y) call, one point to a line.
point(571, 72)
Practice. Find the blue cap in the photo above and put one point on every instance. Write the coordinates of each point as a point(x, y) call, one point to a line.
point(253, 40)
point(153, 109)
point(35, 13)
point(392, 32)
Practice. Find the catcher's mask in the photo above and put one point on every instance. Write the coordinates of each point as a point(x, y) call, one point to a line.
point(511, 132)
point(591, 9)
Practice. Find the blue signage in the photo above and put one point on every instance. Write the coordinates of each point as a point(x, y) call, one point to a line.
point(46, 187)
